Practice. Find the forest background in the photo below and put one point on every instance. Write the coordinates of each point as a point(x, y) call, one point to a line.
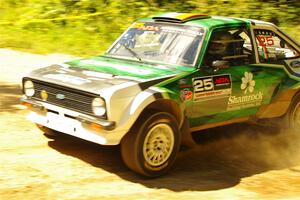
point(88, 27)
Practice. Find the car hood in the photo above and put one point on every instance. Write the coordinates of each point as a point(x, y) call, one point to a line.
point(127, 68)
point(94, 74)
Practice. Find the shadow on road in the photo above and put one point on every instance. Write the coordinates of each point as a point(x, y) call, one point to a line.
point(222, 157)
point(9, 97)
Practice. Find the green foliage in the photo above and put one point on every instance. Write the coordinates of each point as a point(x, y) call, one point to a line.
point(89, 26)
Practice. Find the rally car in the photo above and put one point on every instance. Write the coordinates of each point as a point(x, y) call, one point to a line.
point(165, 77)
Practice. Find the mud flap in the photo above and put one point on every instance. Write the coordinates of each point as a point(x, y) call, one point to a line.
point(187, 139)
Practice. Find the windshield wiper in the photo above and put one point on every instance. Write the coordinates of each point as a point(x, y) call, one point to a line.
point(132, 52)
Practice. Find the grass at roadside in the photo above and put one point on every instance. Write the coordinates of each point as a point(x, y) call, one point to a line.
point(88, 27)
point(293, 31)
point(71, 40)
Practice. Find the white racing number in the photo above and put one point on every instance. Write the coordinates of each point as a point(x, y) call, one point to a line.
point(212, 87)
point(204, 84)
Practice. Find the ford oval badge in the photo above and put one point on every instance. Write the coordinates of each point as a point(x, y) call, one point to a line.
point(60, 96)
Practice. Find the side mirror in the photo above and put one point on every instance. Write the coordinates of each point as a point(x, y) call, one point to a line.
point(220, 64)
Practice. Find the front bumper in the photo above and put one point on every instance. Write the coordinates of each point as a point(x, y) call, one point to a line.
point(73, 123)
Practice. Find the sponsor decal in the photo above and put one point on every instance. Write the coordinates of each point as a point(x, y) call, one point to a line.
point(67, 78)
point(212, 87)
point(126, 68)
point(183, 83)
point(249, 99)
point(222, 80)
point(148, 28)
point(186, 95)
point(246, 101)
point(98, 74)
point(248, 83)
point(265, 40)
point(145, 27)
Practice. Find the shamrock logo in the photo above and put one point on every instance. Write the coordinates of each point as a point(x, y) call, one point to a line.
point(247, 83)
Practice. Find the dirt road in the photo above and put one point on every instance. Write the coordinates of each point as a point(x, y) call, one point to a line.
point(237, 162)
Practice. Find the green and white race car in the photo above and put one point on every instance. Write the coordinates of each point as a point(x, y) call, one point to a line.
point(165, 77)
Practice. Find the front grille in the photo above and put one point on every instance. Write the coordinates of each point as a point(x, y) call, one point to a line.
point(72, 99)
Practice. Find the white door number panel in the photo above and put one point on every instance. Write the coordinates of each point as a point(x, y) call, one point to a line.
point(212, 87)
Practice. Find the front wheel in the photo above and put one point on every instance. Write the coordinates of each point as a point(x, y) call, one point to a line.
point(151, 146)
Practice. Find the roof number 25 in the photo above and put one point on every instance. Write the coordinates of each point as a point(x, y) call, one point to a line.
point(203, 84)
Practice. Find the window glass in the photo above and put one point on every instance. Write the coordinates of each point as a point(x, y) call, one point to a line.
point(272, 48)
point(168, 43)
point(233, 46)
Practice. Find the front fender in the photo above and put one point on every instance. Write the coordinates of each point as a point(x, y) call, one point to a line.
point(141, 102)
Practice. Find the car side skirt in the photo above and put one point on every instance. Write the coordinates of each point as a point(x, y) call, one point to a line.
point(278, 106)
point(212, 125)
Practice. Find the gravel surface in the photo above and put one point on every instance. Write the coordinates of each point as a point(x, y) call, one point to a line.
point(14, 64)
point(236, 162)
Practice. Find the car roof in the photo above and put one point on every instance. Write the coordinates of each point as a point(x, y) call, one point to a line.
point(203, 20)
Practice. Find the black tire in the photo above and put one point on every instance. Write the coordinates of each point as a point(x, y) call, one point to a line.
point(293, 116)
point(48, 132)
point(158, 129)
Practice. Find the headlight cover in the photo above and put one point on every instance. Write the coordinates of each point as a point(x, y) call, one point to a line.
point(98, 106)
point(29, 88)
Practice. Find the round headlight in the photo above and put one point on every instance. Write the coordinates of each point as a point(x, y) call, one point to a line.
point(28, 88)
point(98, 106)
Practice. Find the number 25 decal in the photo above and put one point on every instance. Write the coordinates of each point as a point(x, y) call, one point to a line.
point(203, 84)
point(265, 40)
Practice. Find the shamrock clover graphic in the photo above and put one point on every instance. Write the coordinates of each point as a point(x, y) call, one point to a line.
point(247, 83)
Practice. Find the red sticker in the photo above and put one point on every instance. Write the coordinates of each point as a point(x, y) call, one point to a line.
point(265, 40)
point(222, 80)
point(186, 95)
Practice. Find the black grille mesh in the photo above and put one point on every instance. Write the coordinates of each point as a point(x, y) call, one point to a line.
point(73, 99)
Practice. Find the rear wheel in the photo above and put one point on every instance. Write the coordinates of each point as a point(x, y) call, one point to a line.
point(151, 146)
point(48, 132)
point(293, 115)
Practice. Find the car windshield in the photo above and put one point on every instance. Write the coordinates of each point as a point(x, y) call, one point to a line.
point(160, 42)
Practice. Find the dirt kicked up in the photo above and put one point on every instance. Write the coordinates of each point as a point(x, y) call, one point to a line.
point(237, 162)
